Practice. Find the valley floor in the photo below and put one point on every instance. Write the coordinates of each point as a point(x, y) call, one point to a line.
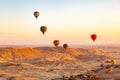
point(48, 63)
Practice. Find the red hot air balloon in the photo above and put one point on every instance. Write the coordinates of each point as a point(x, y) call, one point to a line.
point(93, 36)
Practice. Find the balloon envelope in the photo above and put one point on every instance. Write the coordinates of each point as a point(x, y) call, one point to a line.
point(113, 62)
point(93, 37)
point(56, 42)
point(65, 46)
point(43, 29)
point(36, 14)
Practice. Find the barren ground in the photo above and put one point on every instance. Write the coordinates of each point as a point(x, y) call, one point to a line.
point(50, 63)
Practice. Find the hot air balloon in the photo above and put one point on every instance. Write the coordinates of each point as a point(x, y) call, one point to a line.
point(93, 36)
point(43, 29)
point(56, 42)
point(65, 46)
point(113, 62)
point(36, 14)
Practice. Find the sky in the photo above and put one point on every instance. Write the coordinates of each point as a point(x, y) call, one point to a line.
point(70, 21)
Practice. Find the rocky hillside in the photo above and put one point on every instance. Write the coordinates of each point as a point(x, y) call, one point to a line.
point(50, 54)
point(50, 63)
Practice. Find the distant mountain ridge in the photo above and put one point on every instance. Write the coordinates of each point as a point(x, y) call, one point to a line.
point(50, 54)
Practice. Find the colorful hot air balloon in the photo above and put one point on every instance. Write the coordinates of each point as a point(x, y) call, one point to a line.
point(43, 29)
point(36, 14)
point(65, 46)
point(93, 36)
point(56, 42)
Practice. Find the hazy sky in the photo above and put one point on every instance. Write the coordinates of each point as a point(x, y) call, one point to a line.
point(70, 21)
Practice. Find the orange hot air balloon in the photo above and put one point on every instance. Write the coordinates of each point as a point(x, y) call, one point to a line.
point(56, 42)
point(93, 36)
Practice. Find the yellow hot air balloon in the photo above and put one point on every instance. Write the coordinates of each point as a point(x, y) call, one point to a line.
point(65, 46)
point(113, 62)
point(36, 14)
point(56, 42)
point(43, 29)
